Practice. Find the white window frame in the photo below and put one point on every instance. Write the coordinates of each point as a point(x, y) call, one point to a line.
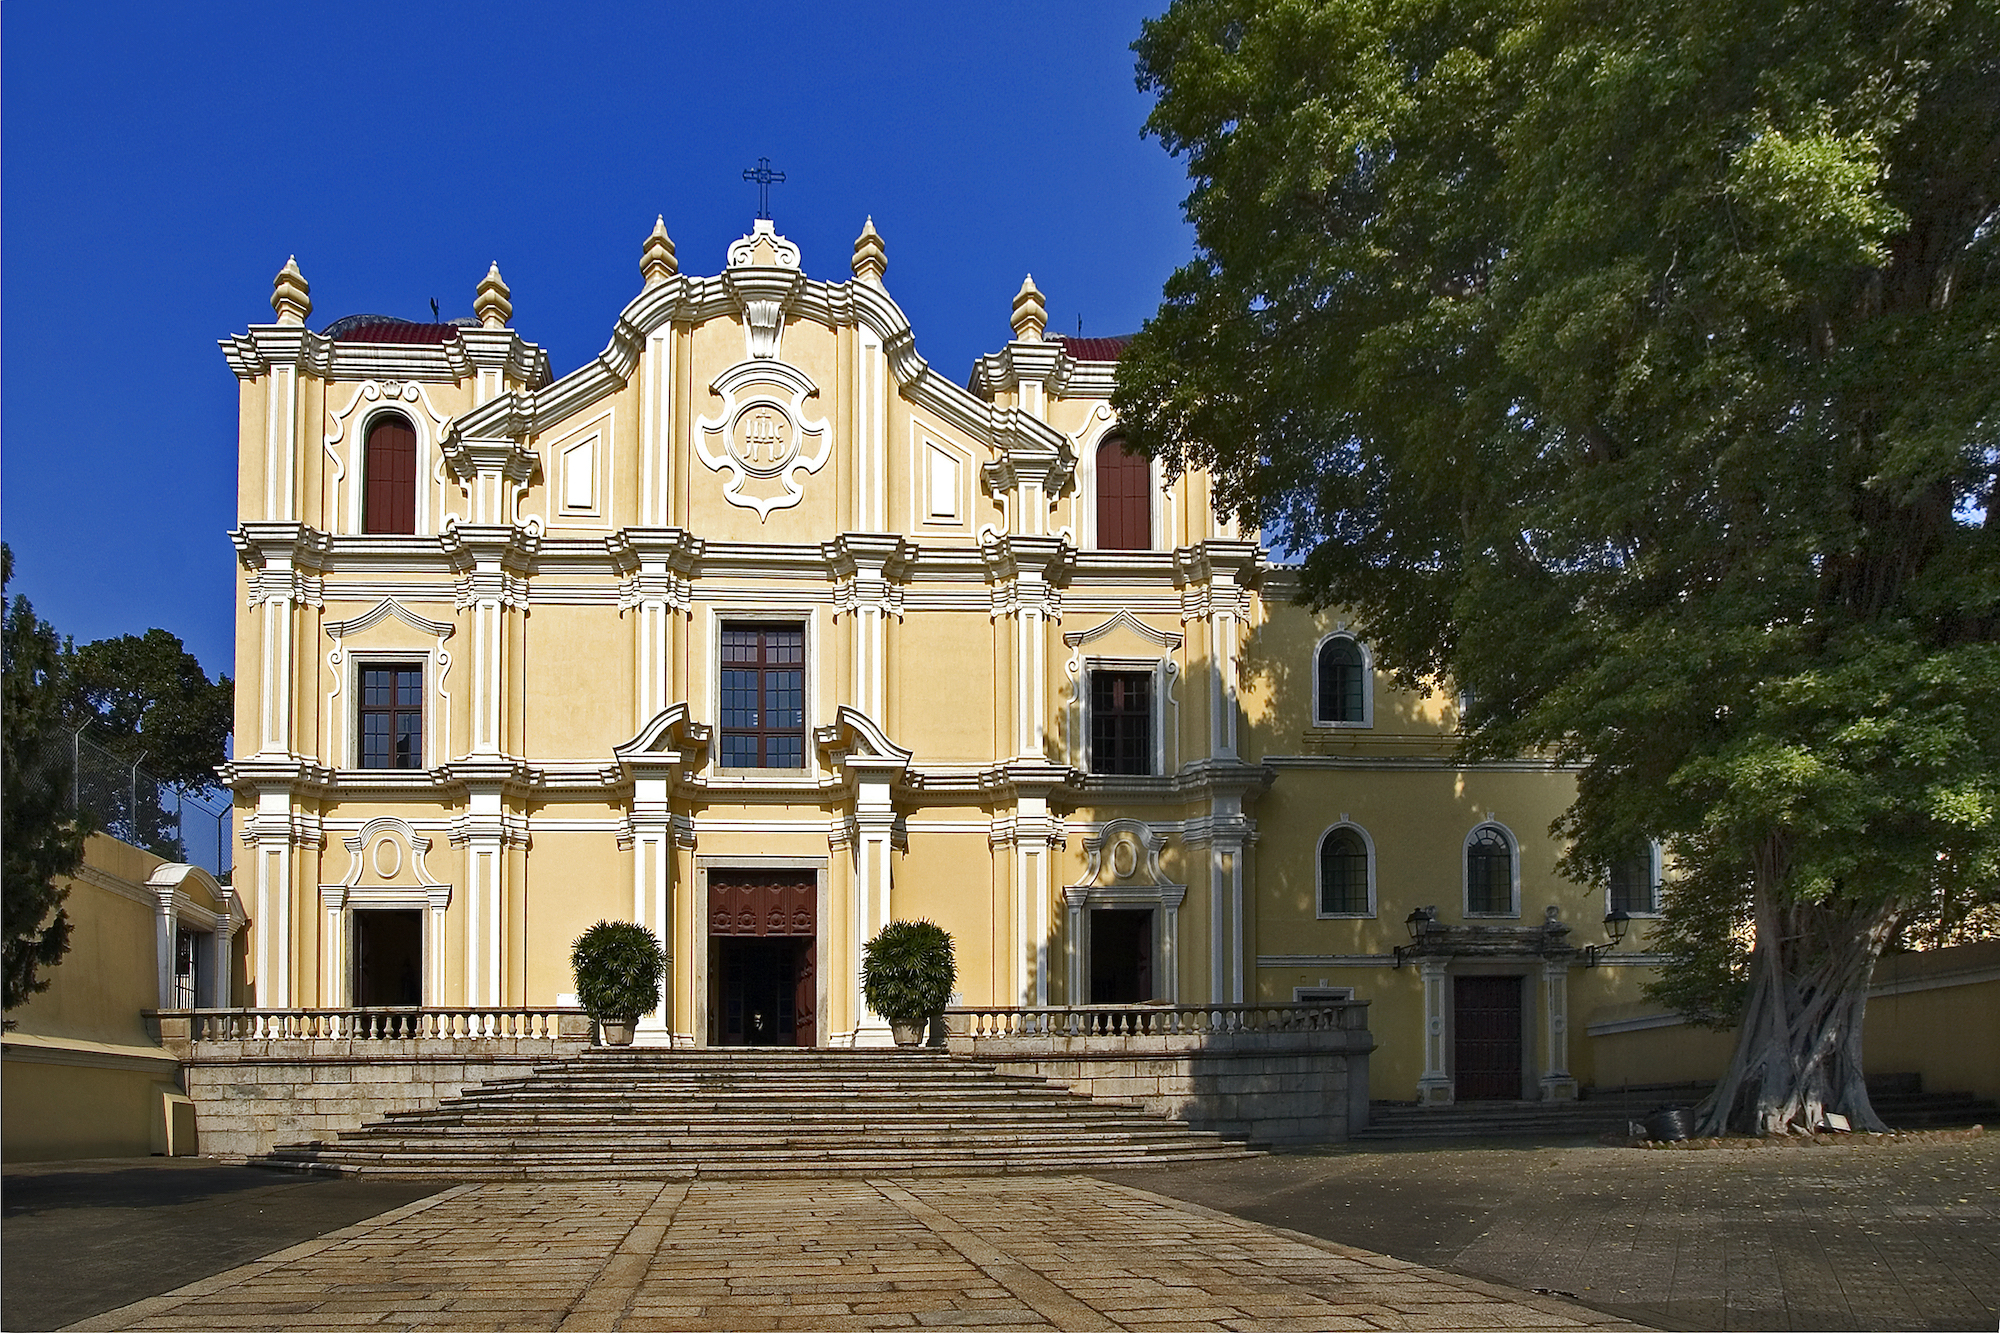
point(806, 618)
point(360, 659)
point(1653, 869)
point(1086, 497)
point(1465, 872)
point(1308, 994)
point(1319, 871)
point(1160, 668)
point(1367, 682)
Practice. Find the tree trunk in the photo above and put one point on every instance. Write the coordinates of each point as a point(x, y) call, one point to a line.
point(1798, 1050)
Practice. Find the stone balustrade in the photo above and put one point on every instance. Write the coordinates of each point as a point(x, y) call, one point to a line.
point(1273, 1073)
point(977, 1023)
point(410, 1023)
point(260, 1077)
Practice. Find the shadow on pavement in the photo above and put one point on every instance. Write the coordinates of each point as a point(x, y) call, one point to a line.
point(1903, 1236)
point(80, 1238)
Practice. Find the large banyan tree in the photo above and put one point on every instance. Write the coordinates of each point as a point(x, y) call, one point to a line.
point(1638, 368)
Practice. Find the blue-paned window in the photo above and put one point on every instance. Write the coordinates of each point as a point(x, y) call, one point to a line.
point(763, 696)
point(392, 715)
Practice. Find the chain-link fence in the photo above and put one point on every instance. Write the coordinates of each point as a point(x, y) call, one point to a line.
point(128, 802)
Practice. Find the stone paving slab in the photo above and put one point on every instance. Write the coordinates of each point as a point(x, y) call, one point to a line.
point(1903, 1236)
point(983, 1253)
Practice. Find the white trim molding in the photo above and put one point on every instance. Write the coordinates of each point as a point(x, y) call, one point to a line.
point(347, 451)
point(1122, 870)
point(1367, 718)
point(762, 438)
point(1465, 871)
point(1319, 872)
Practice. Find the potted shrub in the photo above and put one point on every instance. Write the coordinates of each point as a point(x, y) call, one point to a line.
point(907, 973)
point(619, 966)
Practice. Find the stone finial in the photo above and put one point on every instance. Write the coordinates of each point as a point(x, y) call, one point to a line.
point(291, 294)
point(656, 260)
point(871, 258)
point(490, 302)
point(1030, 315)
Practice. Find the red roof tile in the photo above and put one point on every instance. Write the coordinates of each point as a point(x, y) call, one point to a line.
point(1094, 349)
point(389, 329)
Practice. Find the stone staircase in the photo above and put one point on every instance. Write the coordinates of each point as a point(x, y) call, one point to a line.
point(637, 1114)
point(1898, 1098)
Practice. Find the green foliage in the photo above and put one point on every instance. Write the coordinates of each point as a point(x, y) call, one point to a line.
point(1636, 367)
point(619, 966)
point(908, 970)
point(148, 693)
point(42, 838)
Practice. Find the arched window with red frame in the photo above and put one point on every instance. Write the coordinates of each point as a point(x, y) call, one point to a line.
point(1124, 498)
point(389, 476)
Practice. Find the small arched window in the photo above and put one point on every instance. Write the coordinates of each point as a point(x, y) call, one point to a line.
point(389, 476)
point(1343, 874)
point(1489, 873)
point(1124, 498)
point(1342, 691)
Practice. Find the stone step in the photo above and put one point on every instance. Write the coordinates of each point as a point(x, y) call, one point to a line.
point(777, 1087)
point(890, 1168)
point(681, 1113)
point(459, 1121)
point(652, 1140)
point(613, 1152)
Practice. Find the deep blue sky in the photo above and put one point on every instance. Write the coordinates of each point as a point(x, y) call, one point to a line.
point(159, 162)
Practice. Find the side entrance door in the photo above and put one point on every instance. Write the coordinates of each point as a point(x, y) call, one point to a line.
point(1486, 1046)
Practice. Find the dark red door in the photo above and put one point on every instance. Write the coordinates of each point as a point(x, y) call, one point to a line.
point(1486, 1050)
point(763, 957)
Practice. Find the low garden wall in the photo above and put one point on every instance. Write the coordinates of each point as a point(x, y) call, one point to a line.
point(1275, 1074)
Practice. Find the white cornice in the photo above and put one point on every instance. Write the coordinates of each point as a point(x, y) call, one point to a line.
point(388, 606)
point(265, 347)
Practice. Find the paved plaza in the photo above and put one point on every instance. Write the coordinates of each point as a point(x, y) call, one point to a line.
point(1902, 1236)
point(991, 1253)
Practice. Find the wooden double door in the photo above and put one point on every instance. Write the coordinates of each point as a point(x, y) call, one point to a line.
point(1486, 1044)
point(763, 957)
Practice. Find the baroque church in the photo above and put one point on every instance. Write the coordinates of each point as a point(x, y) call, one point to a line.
point(761, 631)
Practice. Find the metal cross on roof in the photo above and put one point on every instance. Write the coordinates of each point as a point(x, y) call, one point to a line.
point(765, 178)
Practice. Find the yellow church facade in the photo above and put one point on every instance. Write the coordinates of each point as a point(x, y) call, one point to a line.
point(759, 630)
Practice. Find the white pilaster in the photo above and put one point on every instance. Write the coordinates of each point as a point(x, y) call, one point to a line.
point(1557, 1083)
point(874, 821)
point(164, 930)
point(437, 900)
point(1435, 1087)
point(656, 431)
point(333, 987)
point(483, 833)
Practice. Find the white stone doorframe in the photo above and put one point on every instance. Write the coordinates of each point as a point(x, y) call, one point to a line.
point(1436, 1086)
point(338, 903)
point(1165, 902)
point(822, 937)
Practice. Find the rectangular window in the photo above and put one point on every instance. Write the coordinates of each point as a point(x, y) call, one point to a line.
point(1121, 722)
point(763, 696)
point(392, 715)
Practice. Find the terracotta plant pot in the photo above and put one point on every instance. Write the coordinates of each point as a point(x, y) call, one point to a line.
point(908, 1034)
point(618, 1032)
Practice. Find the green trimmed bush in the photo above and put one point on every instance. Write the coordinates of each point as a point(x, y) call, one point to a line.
point(618, 966)
point(907, 972)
